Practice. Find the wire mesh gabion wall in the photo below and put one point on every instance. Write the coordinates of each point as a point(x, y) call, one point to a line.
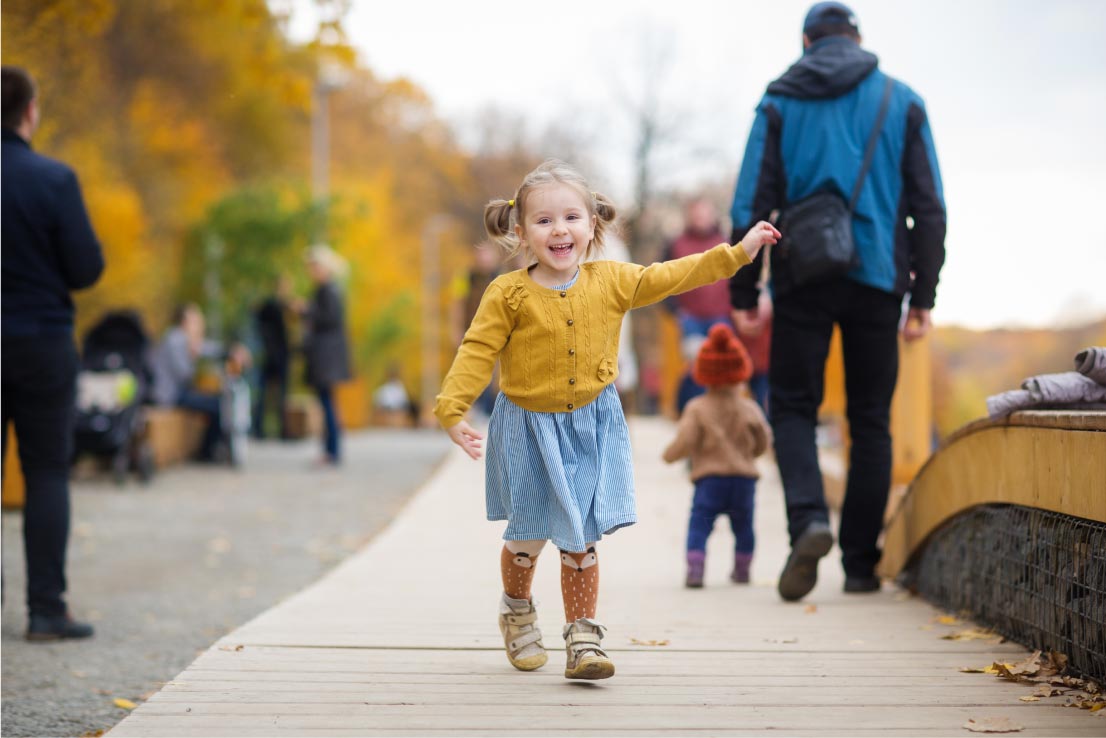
point(1036, 577)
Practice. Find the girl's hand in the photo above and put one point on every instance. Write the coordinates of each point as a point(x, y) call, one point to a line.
point(761, 234)
point(465, 436)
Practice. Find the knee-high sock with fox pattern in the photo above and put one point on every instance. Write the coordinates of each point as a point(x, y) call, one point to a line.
point(517, 563)
point(580, 583)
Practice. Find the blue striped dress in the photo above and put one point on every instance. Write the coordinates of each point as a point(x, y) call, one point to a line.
point(565, 477)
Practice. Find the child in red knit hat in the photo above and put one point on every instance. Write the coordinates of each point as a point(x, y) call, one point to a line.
point(723, 433)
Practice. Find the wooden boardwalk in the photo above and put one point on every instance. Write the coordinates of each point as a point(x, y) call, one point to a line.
point(401, 639)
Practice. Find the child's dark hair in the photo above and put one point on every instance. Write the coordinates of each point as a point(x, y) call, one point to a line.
point(501, 215)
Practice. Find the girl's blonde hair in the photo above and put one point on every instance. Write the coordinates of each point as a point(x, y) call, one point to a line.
point(500, 216)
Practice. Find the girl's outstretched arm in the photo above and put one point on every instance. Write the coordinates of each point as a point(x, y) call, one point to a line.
point(639, 286)
point(467, 437)
point(472, 367)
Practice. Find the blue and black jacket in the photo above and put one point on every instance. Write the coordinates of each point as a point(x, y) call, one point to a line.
point(810, 133)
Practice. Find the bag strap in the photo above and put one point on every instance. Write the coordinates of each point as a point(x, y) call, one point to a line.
point(870, 152)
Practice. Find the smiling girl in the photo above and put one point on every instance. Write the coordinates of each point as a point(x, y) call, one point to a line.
point(559, 466)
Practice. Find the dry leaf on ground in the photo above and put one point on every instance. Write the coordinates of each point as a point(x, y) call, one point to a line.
point(125, 704)
point(947, 620)
point(231, 648)
point(1030, 698)
point(973, 634)
point(810, 609)
point(993, 725)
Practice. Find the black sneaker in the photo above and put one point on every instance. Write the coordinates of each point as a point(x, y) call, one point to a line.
point(56, 627)
point(800, 573)
point(861, 585)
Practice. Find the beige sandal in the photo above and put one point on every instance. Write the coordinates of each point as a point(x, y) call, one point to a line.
point(518, 622)
point(586, 660)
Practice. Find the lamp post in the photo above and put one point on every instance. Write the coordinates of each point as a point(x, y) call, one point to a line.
point(331, 78)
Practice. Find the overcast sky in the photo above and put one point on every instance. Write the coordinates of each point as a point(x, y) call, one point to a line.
point(1016, 94)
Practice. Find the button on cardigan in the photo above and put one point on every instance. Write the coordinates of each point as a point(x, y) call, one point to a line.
point(544, 340)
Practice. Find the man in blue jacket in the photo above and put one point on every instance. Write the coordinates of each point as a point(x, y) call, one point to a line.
point(49, 250)
point(810, 135)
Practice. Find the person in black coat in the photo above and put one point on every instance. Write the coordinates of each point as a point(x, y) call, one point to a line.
point(49, 250)
point(273, 330)
point(326, 347)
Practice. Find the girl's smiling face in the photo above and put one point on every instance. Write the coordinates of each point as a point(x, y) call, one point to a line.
point(557, 229)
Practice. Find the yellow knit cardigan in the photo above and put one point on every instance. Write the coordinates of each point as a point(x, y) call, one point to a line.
point(558, 349)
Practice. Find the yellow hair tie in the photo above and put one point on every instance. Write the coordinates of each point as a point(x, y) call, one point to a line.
point(510, 203)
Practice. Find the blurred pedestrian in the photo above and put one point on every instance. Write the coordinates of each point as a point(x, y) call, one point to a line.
point(49, 250)
point(326, 347)
point(700, 309)
point(754, 328)
point(722, 433)
point(846, 155)
point(273, 377)
point(174, 361)
point(485, 267)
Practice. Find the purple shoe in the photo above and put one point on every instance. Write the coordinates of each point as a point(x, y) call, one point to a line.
point(695, 564)
point(741, 564)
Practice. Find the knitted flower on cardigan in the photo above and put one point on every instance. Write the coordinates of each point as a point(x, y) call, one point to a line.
point(514, 296)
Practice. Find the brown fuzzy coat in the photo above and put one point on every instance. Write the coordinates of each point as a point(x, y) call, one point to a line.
point(723, 433)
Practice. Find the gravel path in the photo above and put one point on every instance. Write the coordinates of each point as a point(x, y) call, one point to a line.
point(164, 571)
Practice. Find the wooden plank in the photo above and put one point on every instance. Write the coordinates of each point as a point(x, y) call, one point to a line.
point(783, 718)
point(212, 727)
point(544, 690)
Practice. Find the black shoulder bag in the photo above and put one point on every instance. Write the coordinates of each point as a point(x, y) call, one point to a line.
point(817, 230)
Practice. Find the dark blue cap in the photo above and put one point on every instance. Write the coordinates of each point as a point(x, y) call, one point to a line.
point(830, 13)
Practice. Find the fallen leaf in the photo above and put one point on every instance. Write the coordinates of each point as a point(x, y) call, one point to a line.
point(239, 647)
point(1030, 698)
point(810, 609)
point(639, 642)
point(1047, 690)
point(125, 704)
point(974, 670)
point(972, 634)
point(947, 620)
point(993, 725)
point(92, 733)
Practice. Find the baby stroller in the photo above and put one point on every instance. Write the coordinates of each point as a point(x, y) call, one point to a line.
point(111, 388)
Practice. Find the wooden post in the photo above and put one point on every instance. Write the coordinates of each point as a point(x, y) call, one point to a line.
point(13, 475)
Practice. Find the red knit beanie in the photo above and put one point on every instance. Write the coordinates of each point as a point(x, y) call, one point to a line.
point(722, 359)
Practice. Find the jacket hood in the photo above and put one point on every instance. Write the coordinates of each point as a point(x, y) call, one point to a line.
point(829, 68)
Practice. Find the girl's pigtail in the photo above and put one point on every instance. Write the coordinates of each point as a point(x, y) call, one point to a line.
point(604, 216)
point(497, 222)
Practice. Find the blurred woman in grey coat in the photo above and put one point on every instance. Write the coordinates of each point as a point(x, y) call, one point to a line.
point(325, 346)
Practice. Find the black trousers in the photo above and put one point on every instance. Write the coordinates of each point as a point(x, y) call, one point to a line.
point(802, 328)
point(39, 393)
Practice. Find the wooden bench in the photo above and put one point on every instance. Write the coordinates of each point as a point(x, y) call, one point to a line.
point(174, 434)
